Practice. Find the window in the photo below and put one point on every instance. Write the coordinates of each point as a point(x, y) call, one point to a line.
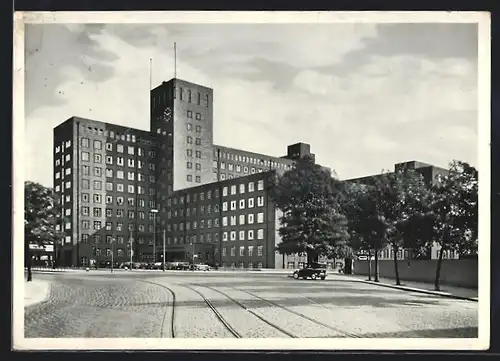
point(58, 149)
point(260, 185)
point(109, 212)
point(130, 150)
point(189, 126)
point(97, 225)
point(233, 235)
point(131, 176)
point(109, 199)
point(85, 156)
point(198, 179)
point(198, 116)
point(224, 191)
point(119, 148)
point(198, 141)
point(119, 187)
point(224, 252)
point(85, 211)
point(250, 235)
point(189, 139)
point(97, 198)
point(97, 144)
point(67, 157)
point(109, 159)
point(242, 236)
point(109, 186)
point(131, 162)
point(85, 142)
point(233, 220)
point(242, 204)
point(259, 252)
point(97, 212)
point(119, 161)
point(68, 144)
point(198, 166)
point(224, 236)
point(242, 251)
point(251, 186)
point(250, 251)
point(85, 197)
point(109, 173)
point(109, 146)
point(189, 114)
point(233, 251)
point(230, 166)
point(97, 185)
point(250, 218)
point(245, 170)
point(224, 221)
point(233, 189)
point(119, 226)
point(260, 217)
point(68, 185)
point(260, 201)
point(242, 219)
point(189, 165)
point(85, 224)
point(233, 205)
point(250, 203)
point(97, 158)
point(130, 188)
point(260, 234)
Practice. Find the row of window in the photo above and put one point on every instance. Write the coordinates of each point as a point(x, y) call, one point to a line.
point(235, 168)
point(125, 137)
point(189, 140)
point(107, 252)
point(97, 172)
point(232, 190)
point(249, 159)
point(226, 221)
point(97, 199)
point(248, 235)
point(249, 251)
point(249, 265)
point(185, 95)
point(97, 238)
point(189, 178)
point(120, 161)
point(120, 213)
point(120, 148)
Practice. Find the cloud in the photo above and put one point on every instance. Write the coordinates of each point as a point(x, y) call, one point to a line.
point(274, 85)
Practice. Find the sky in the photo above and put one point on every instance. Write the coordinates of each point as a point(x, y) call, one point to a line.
point(365, 96)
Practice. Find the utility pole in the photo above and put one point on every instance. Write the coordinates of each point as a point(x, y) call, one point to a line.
point(154, 211)
point(131, 251)
point(112, 253)
point(164, 250)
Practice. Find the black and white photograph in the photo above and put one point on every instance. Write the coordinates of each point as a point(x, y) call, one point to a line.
point(223, 180)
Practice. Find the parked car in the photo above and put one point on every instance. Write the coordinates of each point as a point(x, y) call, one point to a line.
point(314, 271)
point(200, 267)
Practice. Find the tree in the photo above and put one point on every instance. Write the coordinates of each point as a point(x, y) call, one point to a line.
point(454, 217)
point(312, 221)
point(401, 198)
point(365, 227)
point(42, 211)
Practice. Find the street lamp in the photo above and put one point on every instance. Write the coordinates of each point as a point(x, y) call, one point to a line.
point(154, 211)
point(164, 250)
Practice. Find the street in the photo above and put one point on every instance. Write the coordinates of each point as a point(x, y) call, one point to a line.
point(206, 305)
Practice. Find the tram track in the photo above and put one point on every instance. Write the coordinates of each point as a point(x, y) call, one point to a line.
point(269, 323)
point(172, 313)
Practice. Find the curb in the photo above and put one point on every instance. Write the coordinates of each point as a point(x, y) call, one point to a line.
point(419, 290)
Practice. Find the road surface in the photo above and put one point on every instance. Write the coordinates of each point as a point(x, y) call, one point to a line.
point(183, 304)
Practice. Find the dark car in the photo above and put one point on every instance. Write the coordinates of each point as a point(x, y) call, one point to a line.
point(314, 271)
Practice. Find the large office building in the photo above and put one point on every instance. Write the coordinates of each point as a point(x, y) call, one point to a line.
point(130, 194)
point(122, 188)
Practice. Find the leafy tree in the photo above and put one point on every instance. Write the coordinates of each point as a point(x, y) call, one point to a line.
point(365, 227)
point(401, 198)
point(454, 217)
point(312, 221)
point(42, 211)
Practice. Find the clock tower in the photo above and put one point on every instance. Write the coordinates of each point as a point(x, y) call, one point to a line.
point(182, 125)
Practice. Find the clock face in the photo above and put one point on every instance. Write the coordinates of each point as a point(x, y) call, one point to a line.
point(167, 113)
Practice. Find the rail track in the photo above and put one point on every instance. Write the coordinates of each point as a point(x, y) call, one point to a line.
point(282, 330)
point(172, 318)
point(336, 329)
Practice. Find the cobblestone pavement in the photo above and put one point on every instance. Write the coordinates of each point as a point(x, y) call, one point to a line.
point(251, 306)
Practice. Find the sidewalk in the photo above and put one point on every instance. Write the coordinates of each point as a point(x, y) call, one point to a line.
point(421, 287)
point(35, 291)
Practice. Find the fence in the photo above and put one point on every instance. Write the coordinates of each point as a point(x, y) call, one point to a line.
point(454, 272)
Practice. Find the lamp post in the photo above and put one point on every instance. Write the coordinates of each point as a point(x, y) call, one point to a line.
point(163, 250)
point(112, 253)
point(154, 211)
